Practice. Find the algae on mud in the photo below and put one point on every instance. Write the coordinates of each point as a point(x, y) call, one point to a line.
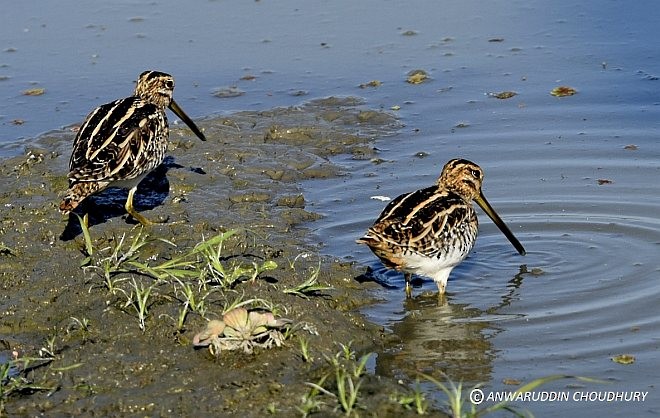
point(126, 362)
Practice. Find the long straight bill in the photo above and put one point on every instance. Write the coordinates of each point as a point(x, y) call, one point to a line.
point(483, 203)
point(181, 114)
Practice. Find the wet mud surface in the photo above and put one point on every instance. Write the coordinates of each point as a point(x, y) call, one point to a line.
point(57, 302)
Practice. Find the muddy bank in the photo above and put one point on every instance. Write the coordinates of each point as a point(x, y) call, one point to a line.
point(76, 301)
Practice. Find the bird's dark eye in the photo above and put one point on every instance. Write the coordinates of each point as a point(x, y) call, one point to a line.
point(169, 84)
point(476, 174)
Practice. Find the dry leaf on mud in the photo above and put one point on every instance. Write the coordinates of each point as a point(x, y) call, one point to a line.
point(372, 83)
point(624, 359)
point(502, 95)
point(417, 77)
point(34, 92)
point(563, 91)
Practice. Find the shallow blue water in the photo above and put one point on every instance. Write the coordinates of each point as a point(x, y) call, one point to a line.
point(588, 288)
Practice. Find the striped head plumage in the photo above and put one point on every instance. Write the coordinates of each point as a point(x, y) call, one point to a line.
point(155, 87)
point(430, 231)
point(462, 177)
point(120, 142)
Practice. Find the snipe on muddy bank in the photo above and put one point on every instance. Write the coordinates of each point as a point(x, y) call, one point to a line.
point(120, 142)
point(430, 231)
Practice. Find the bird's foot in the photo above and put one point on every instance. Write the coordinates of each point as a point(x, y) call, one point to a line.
point(408, 290)
point(147, 222)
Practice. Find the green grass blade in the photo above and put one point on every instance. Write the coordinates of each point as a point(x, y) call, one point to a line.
point(89, 248)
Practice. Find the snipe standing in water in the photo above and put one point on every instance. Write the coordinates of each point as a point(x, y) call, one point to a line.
point(430, 231)
point(121, 142)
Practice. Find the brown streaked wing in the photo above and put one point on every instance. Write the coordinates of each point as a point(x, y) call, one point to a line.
point(109, 143)
point(421, 220)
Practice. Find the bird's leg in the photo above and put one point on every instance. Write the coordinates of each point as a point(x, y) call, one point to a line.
point(440, 278)
point(441, 287)
point(131, 210)
point(408, 277)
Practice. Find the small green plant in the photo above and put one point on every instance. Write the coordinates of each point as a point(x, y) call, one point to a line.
point(194, 274)
point(455, 398)
point(205, 262)
point(347, 390)
point(304, 349)
point(419, 400)
point(347, 371)
point(413, 400)
point(139, 300)
point(255, 303)
point(89, 247)
point(194, 299)
point(5, 250)
point(119, 255)
point(49, 349)
point(310, 400)
point(80, 325)
point(181, 318)
point(309, 286)
point(346, 351)
point(13, 379)
point(112, 260)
